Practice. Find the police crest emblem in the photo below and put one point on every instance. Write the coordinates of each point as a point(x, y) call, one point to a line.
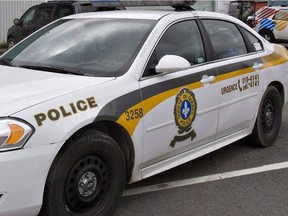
point(184, 113)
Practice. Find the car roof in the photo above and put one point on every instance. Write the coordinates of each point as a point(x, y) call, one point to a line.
point(125, 14)
point(150, 14)
point(67, 2)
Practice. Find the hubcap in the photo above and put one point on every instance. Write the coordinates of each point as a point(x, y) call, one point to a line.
point(267, 37)
point(268, 117)
point(87, 184)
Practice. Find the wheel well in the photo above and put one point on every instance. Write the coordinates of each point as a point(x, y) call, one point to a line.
point(9, 36)
point(265, 30)
point(280, 89)
point(119, 134)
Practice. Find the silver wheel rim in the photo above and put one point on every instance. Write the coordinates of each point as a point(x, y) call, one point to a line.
point(87, 184)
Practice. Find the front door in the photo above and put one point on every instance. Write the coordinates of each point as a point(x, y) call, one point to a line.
point(181, 113)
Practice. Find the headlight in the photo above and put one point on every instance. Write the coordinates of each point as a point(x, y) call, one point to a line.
point(13, 134)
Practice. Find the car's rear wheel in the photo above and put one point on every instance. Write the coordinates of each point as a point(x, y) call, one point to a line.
point(268, 120)
point(268, 35)
point(87, 178)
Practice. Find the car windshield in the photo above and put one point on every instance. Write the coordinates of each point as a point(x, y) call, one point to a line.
point(97, 47)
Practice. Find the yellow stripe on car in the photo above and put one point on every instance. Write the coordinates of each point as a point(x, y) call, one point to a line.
point(279, 56)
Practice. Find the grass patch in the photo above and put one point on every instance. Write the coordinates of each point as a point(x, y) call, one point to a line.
point(3, 46)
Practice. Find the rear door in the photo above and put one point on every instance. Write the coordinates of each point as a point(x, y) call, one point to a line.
point(238, 63)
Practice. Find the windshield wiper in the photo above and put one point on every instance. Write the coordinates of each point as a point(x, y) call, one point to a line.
point(53, 69)
point(7, 62)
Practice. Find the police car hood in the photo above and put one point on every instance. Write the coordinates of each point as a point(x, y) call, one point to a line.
point(22, 88)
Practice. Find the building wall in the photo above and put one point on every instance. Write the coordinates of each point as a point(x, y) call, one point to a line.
point(11, 9)
point(259, 5)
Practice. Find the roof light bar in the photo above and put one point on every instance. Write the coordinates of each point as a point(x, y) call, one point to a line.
point(127, 3)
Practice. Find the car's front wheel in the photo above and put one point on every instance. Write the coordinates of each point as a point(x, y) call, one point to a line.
point(87, 178)
point(11, 42)
point(268, 120)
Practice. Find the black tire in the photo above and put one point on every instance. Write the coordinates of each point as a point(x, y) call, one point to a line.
point(87, 178)
point(268, 120)
point(268, 35)
point(11, 42)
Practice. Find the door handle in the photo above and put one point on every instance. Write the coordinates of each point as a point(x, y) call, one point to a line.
point(206, 80)
point(257, 66)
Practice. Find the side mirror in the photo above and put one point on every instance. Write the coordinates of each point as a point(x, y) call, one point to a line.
point(251, 18)
point(17, 21)
point(172, 63)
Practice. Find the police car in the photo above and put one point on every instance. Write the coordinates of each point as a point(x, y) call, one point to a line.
point(93, 101)
point(271, 23)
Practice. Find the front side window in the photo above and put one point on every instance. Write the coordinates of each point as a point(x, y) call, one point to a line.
point(226, 39)
point(182, 39)
point(98, 47)
point(27, 18)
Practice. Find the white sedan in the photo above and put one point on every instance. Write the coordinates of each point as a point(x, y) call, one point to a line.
point(93, 101)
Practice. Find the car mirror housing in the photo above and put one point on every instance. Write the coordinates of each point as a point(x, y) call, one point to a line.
point(17, 21)
point(172, 63)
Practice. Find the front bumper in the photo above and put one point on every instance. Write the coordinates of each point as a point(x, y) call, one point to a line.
point(22, 179)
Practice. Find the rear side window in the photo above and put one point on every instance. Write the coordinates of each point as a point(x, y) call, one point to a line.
point(44, 15)
point(254, 43)
point(63, 10)
point(282, 15)
point(226, 39)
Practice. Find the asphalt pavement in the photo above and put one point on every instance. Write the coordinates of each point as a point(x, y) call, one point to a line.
point(237, 180)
